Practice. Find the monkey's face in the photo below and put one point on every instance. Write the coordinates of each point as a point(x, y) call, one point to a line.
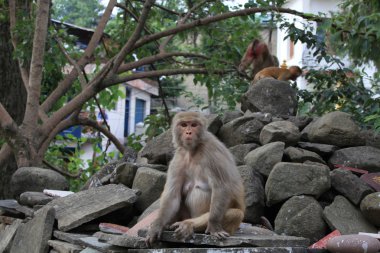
point(189, 133)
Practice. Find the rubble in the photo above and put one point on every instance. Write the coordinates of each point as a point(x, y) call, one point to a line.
point(307, 187)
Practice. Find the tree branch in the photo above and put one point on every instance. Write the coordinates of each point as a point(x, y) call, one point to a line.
point(134, 37)
point(155, 58)
point(66, 84)
point(12, 23)
point(212, 19)
point(38, 52)
point(8, 126)
point(157, 73)
point(180, 22)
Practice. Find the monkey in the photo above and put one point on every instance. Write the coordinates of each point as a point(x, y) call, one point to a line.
point(257, 53)
point(279, 73)
point(203, 190)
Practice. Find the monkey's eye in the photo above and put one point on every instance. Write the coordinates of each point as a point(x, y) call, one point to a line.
point(194, 124)
point(183, 124)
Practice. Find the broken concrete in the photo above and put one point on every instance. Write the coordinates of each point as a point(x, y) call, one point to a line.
point(7, 235)
point(33, 236)
point(76, 209)
point(64, 247)
point(92, 242)
point(122, 240)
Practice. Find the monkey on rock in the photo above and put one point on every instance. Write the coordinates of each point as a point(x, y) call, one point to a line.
point(203, 190)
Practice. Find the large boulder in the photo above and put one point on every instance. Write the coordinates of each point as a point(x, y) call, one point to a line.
point(299, 155)
point(362, 157)
point(335, 128)
point(272, 96)
point(370, 207)
point(282, 130)
point(241, 150)
point(301, 216)
point(240, 131)
point(349, 185)
point(34, 179)
point(264, 158)
point(254, 194)
point(291, 179)
point(345, 217)
point(160, 149)
point(151, 183)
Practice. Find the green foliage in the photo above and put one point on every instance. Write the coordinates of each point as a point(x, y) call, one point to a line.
point(80, 13)
point(343, 90)
point(134, 141)
point(355, 31)
point(155, 125)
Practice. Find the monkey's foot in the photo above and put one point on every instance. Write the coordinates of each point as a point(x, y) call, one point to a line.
point(183, 230)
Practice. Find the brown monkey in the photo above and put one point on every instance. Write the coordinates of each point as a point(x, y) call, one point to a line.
point(258, 54)
point(203, 190)
point(279, 73)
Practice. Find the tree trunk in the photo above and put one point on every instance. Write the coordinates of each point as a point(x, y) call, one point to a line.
point(13, 97)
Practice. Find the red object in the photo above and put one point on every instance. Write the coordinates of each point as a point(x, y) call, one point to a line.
point(373, 180)
point(113, 228)
point(355, 170)
point(144, 223)
point(321, 244)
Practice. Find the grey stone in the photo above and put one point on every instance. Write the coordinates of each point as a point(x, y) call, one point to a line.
point(254, 194)
point(349, 185)
point(335, 128)
point(241, 150)
point(6, 235)
point(362, 157)
point(36, 179)
point(241, 131)
point(84, 206)
point(231, 115)
point(272, 96)
point(345, 217)
point(160, 149)
point(284, 131)
point(154, 206)
point(125, 173)
point(122, 240)
point(264, 158)
point(299, 155)
point(64, 247)
point(12, 208)
point(34, 198)
point(301, 216)
point(89, 250)
point(214, 122)
point(33, 236)
point(93, 243)
point(239, 240)
point(370, 207)
point(224, 250)
point(151, 183)
point(324, 150)
point(291, 179)
point(72, 238)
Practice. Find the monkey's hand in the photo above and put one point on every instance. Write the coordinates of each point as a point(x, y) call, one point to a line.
point(217, 231)
point(154, 234)
point(183, 229)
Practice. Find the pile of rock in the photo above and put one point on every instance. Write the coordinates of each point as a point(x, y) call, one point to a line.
point(308, 177)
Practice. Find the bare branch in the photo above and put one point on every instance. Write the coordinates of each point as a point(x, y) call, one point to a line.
point(155, 58)
point(212, 19)
point(134, 37)
point(8, 127)
point(38, 52)
point(5, 152)
point(65, 85)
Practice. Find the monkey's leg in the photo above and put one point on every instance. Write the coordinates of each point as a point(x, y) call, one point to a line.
point(230, 223)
